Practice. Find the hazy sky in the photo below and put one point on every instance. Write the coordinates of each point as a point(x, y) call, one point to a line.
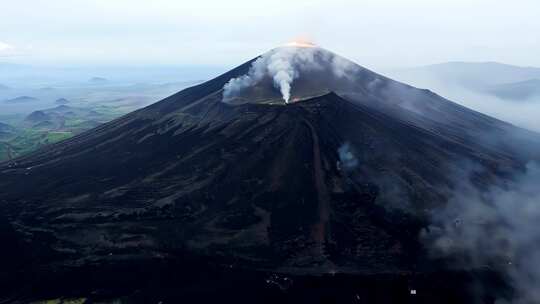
point(374, 33)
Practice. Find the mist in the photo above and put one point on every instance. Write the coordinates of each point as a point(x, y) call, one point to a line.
point(209, 32)
point(522, 113)
point(495, 229)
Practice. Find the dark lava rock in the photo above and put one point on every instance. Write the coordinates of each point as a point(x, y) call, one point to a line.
point(257, 187)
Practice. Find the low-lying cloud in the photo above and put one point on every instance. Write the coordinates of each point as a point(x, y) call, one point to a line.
point(7, 49)
point(495, 229)
point(523, 113)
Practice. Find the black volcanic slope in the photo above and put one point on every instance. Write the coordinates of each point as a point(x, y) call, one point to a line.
point(255, 184)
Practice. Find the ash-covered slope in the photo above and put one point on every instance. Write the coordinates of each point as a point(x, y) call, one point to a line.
point(341, 178)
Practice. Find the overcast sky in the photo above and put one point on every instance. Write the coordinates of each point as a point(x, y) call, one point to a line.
point(374, 33)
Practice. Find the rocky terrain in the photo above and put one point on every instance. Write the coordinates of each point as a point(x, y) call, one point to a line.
point(339, 181)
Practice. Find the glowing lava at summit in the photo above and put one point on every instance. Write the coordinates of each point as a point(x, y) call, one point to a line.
point(301, 43)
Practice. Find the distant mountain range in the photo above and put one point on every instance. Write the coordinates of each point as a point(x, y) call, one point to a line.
point(504, 81)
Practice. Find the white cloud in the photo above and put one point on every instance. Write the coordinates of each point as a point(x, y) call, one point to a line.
point(228, 32)
point(11, 50)
point(7, 49)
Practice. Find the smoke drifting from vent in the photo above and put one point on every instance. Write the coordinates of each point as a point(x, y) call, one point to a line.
point(497, 228)
point(285, 64)
point(348, 160)
point(280, 67)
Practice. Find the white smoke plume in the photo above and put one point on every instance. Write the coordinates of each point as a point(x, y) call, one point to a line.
point(496, 229)
point(342, 67)
point(347, 158)
point(280, 67)
point(284, 65)
point(236, 85)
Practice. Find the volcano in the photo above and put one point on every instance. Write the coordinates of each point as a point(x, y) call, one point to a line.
point(298, 162)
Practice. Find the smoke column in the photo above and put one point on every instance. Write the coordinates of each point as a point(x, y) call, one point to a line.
point(280, 67)
point(285, 64)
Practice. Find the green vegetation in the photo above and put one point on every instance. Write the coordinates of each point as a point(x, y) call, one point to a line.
point(29, 140)
point(32, 135)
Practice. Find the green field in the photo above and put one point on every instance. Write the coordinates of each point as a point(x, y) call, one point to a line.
point(27, 139)
point(30, 140)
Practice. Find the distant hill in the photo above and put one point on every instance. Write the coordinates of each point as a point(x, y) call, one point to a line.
point(474, 73)
point(64, 117)
point(496, 79)
point(98, 80)
point(4, 87)
point(37, 117)
point(62, 101)
point(22, 99)
point(6, 131)
point(47, 126)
